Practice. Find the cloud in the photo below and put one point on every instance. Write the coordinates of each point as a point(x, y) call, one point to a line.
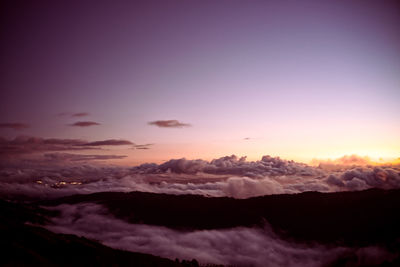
point(36, 181)
point(231, 165)
point(109, 142)
point(27, 145)
point(224, 177)
point(345, 161)
point(80, 157)
point(145, 146)
point(80, 114)
point(16, 182)
point(15, 126)
point(368, 177)
point(239, 246)
point(169, 124)
point(84, 123)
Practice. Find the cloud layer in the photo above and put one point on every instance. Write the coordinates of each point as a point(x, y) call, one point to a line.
point(77, 114)
point(109, 142)
point(237, 246)
point(169, 124)
point(79, 157)
point(226, 176)
point(84, 123)
point(80, 114)
point(26, 145)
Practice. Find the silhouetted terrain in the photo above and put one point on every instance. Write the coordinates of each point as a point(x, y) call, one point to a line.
point(353, 219)
point(361, 218)
point(26, 245)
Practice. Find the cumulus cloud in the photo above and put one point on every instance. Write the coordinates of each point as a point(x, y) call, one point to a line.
point(368, 177)
point(54, 183)
point(231, 165)
point(236, 246)
point(14, 125)
point(84, 123)
point(228, 176)
point(343, 162)
point(169, 124)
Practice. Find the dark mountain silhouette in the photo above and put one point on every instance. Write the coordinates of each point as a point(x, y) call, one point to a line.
point(360, 218)
point(355, 219)
point(26, 245)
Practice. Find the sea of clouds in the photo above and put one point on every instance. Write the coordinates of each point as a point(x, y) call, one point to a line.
point(227, 176)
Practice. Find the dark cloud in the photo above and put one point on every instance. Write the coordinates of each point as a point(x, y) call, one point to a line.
point(80, 114)
point(110, 142)
point(84, 123)
point(80, 157)
point(145, 146)
point(239, 246)
point(77, 114)
point(169, 124)
point(14, 125)
point(27, 145)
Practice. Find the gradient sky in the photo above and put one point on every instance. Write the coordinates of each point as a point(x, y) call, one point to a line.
point(295, 79)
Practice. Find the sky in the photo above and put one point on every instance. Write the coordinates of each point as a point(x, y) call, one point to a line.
point(203, 79)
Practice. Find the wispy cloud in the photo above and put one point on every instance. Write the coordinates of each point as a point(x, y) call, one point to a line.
point(143, 147)
point(80, 157)
point(84, 123)
point(14, 125)
point(80, 114)
point(27, 145)
point(109, 142)
point(169, 124)
point(71, 114)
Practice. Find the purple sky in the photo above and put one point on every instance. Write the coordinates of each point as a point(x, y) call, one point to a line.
point(300, 81)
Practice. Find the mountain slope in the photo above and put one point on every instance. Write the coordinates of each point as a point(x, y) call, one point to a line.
point(347, 218)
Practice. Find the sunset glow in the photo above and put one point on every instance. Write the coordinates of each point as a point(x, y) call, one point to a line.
point(305, 82)
point(200, 133)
